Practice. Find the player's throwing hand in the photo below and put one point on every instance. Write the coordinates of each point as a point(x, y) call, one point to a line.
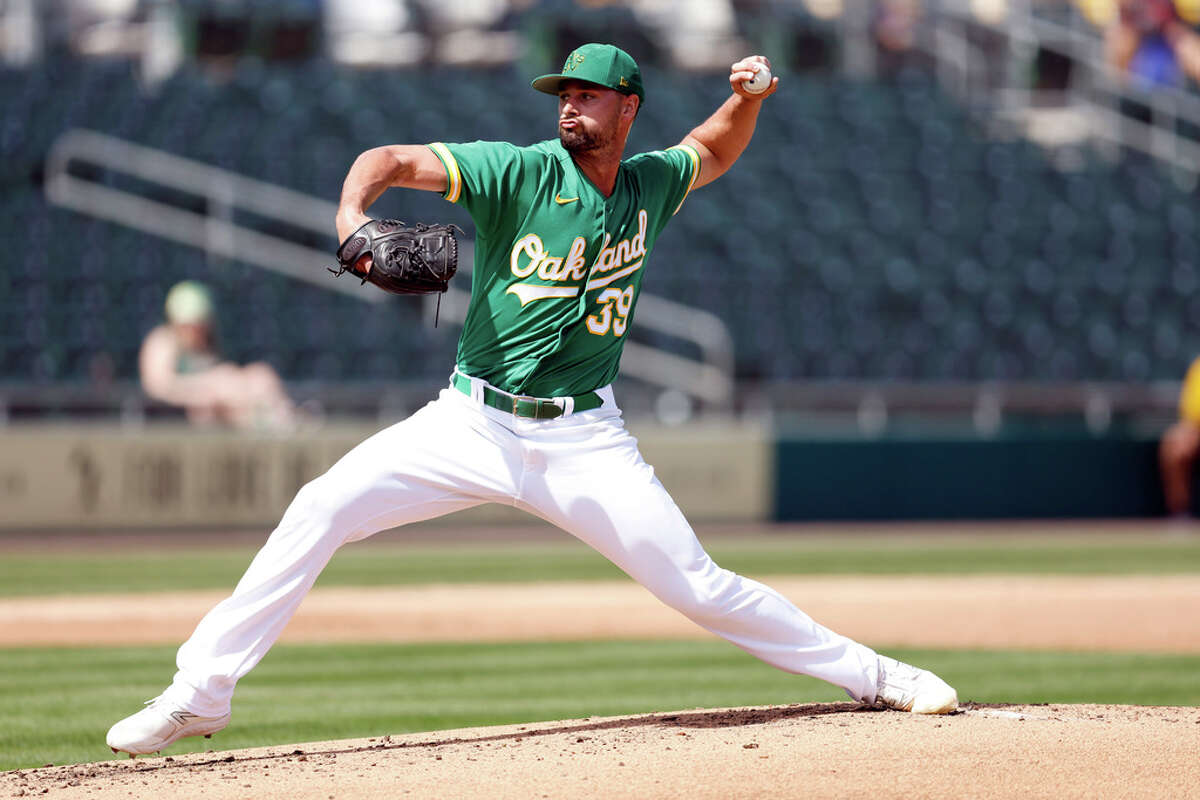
point(751, 78)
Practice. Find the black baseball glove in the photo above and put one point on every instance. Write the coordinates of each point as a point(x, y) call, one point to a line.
point(404, 260)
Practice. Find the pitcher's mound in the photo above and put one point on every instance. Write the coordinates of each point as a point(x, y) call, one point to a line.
point(819, 750)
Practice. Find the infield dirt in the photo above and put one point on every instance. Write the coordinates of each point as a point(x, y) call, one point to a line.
point(1098, 613)
point(811, 751)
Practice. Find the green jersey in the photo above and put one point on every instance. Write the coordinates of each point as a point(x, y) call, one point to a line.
point(558, 266)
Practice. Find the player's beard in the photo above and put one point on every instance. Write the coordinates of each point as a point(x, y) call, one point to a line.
point(579, 140)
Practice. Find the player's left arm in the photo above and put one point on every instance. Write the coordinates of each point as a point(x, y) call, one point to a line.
point(721, 138)
point(379, 169)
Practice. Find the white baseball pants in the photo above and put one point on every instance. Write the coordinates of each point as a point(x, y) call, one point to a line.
point(581, 472)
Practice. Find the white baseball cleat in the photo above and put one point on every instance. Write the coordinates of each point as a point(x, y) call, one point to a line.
point(160, 724)
point(906, 688)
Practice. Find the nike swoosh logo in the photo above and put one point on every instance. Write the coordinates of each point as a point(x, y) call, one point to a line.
point(562, 201)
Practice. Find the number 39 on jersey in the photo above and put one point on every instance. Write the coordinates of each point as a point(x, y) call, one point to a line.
point(615, 305)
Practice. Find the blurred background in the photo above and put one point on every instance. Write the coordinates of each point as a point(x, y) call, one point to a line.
point(954, 274)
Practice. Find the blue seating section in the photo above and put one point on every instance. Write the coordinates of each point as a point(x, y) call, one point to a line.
point(869, 232)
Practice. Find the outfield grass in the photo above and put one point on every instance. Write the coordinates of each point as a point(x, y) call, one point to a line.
point(56, 704)
point(379, 563)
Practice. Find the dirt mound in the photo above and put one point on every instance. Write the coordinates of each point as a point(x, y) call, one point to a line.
point(817, 750)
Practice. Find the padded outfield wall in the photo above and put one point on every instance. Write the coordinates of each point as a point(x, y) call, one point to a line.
point(106, 477)
point(1023, 475)
point(65, 477)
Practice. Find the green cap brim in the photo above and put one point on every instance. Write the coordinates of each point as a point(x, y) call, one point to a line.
point(552, 84)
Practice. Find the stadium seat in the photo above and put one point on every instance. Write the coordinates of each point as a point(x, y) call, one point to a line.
point(884, 235)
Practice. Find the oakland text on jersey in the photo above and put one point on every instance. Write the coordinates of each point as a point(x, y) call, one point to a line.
point(558, 263)
point(529, 256)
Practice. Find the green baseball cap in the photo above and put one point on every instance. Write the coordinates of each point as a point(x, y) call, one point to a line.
point(189, 303)
point(602, 64)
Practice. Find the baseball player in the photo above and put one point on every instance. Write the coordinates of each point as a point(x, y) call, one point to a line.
point(529, 419)
point(1179, 447)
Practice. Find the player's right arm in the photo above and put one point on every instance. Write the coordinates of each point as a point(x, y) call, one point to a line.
point(721, 139)
point(156, 365)
point(1121, 42)
point(380, 169)
point(162, 381)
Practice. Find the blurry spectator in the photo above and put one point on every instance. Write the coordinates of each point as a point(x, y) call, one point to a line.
point(896, 24)
point(894, 27)
point(180, 366)
point(1180, 445)
point(1153, 43)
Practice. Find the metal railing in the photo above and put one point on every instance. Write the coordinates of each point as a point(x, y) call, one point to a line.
point(984, 406)
point(220, 193)
point(212, 230)
point(1097, 91)
point(869, 408)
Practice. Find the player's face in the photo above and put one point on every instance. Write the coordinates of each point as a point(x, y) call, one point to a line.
point(588, 116)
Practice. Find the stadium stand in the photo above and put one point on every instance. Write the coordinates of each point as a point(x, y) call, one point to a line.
point(880, 233)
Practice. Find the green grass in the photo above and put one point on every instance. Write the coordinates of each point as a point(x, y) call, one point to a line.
point(378, 563)
point(56, 704)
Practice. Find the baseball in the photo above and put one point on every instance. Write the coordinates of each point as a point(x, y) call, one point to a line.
point(761, 80)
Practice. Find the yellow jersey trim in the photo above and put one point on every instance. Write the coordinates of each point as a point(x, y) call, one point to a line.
point(691, 151)
point(453, 174)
